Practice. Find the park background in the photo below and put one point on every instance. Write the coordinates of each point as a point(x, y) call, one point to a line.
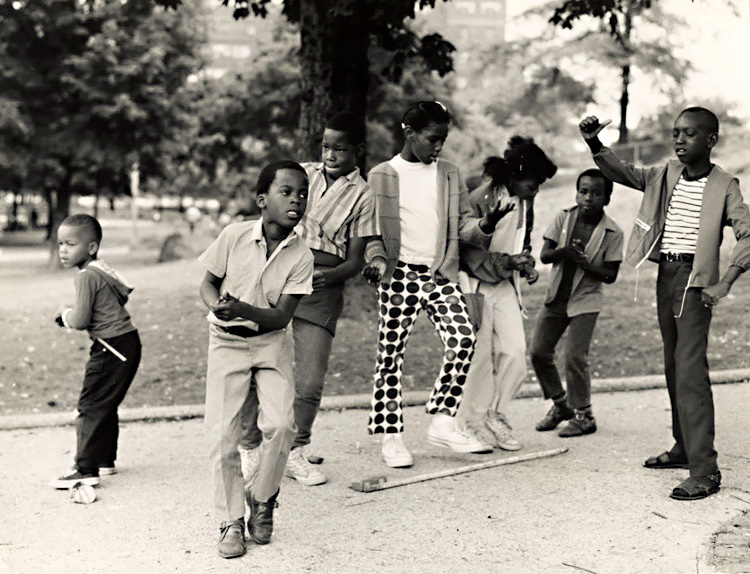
point(158, 119)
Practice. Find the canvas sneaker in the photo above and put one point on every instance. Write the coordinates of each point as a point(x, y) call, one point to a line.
point(395, 453)
point(107, 470)
point(76, 477)
point(500, 429)
point(300, 469)
point(444, 431)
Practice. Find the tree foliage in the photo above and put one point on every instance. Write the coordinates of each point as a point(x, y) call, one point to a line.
point(88, 87)
point(335, 40)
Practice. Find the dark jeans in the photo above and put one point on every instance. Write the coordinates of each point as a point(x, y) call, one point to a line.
point(684, 324)
point(105, 384)
point(550, 326)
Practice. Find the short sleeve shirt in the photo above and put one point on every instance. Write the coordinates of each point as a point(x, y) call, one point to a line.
point(605, 245)
point(337, 213)
point(238, 256)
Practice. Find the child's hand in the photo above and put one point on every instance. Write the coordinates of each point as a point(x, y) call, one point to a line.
point(374, 270)
point(320, 279)
point(590, 127)
point(518, 262)
point(573, 252)
point(496, 212)
point(228, 307)
point(530, 274)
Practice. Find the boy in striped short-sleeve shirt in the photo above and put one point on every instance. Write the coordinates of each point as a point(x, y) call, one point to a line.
point(340, 217)
point(685, 206)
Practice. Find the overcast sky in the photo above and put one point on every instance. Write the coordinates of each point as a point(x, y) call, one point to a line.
point(716, 40)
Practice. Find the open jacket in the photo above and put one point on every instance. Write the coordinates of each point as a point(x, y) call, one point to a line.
point(454, 213)
point(722, 205)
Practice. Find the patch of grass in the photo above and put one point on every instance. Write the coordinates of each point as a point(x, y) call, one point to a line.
point(41, 365)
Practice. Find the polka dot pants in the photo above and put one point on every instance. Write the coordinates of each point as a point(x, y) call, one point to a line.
point(411, 290)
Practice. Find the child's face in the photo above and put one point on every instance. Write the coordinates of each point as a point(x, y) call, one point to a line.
point(523, 188)
point(338, 153)
point(692, 139)
point(427, 143)
point(285, 201)
point(591, 196)
point(75, 245)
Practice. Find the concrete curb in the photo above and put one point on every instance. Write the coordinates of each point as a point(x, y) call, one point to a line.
point(362, 401)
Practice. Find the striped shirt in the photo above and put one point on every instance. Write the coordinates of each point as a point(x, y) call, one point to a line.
point(683, 216)
point(337, 213)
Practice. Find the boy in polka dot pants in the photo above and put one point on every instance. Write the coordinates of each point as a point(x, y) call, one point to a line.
point(423, 209)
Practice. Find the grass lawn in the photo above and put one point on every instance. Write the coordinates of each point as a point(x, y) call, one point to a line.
point(41, 365)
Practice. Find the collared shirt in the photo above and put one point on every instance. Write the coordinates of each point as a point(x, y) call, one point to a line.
point(239, 256)
point(337, 213)
point(604, 245)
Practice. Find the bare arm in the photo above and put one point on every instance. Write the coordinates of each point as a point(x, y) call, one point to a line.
point(355, 250)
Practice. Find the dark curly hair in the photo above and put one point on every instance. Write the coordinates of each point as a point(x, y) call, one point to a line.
point(522, 159)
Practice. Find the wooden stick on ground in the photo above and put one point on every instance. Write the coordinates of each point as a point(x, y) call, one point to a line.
point(381, 483)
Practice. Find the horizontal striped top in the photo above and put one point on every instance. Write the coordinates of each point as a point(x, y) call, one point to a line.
point(337, 213)
point(683, 216)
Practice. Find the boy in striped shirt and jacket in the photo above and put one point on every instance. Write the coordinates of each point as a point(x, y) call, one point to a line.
point(685, 206)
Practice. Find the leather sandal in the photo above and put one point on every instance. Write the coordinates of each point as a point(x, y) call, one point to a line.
point(697, 487)
point(665, 460)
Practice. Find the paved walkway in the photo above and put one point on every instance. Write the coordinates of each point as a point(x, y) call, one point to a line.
point(593, 509)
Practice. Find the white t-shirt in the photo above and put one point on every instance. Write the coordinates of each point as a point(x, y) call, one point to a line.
point(418, 213)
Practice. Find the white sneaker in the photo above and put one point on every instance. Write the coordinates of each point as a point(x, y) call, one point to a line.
point(107, 470)
point(298, 468)
point(395, 453)
point(250, 462)
point(500, 428)
point(444, 432)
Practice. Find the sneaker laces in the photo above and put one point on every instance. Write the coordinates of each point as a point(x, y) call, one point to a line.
point(298, 462)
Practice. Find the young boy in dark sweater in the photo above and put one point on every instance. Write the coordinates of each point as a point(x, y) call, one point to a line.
point(101, 294)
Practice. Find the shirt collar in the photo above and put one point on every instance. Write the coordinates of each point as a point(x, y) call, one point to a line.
point(350, 177)
point(257, 234)
point(606, 220)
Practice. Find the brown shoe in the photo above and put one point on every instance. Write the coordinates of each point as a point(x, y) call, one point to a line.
point(556, 415)
point(260, 524)
point(231, 539)
point(581, 424)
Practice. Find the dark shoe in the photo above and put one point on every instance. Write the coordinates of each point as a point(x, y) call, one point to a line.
point(697, 487)
point(556, 415)
point(76, 477)
point(665, 460)
point(583, 423)
point(231, 539)
point(260, 524)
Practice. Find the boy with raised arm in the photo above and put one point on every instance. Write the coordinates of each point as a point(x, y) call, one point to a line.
point(686, 204)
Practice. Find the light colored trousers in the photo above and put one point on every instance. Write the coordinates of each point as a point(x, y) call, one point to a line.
point(232, 363)
point(499, 365)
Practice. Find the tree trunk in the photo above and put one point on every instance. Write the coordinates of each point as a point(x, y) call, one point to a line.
point(60, 209)
point(624, 100)
point(624, 97)
point(335, 70)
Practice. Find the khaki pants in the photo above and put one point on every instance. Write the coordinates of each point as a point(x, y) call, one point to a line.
point(499, 365)
point(232, 363)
